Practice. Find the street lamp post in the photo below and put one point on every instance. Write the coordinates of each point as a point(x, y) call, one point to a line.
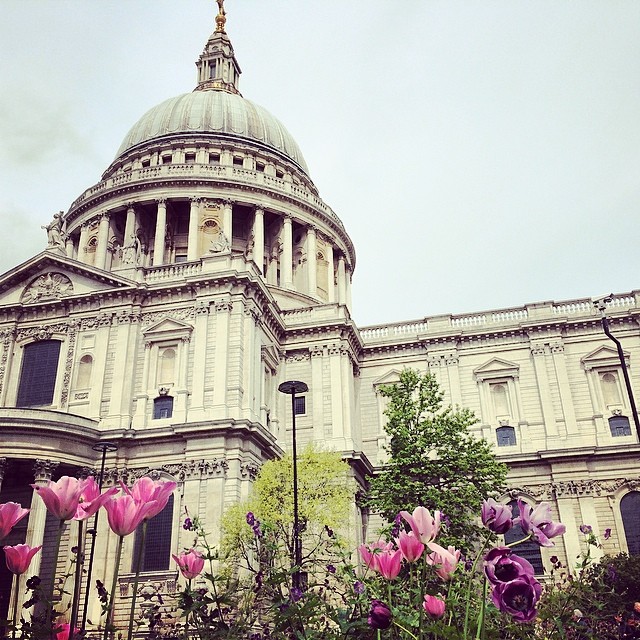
point(601, 305)
point(104, 447)
point(292, 387)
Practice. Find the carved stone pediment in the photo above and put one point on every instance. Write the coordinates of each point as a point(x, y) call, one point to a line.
point(48, 286)
point(604, 356)
point(496, 368)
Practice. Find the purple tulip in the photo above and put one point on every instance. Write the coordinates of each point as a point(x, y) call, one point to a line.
point(502, 565)
point(496, 517)
point(537, 522)
point(379, 615)
point(518, 598)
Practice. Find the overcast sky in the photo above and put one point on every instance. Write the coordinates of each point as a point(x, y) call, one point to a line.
point(481, 154)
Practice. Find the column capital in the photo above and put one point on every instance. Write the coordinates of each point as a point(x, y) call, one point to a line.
point(129, 205)
point(105, 215)
point(43, 469)
point(313, 229)
point(228, 202)
point(160, 201)
point(195, 200)
point(258, 208)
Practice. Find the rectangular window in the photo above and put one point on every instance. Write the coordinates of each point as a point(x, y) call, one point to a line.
point(166, 159)
point(190, 158)
point(157, 545)
point(237, 162)
point(300, 405)
point(506, 436)
point(214, 158)
point(38, 374)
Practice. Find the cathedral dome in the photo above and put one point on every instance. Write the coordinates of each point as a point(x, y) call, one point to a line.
point(225, 115)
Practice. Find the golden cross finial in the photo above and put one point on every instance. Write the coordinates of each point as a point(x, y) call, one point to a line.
point(221, 17)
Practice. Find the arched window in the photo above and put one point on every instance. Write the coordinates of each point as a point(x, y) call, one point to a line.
point(162, 407)
point(500, 400)
point(38, 373)
point(84, 372)
point(166, 365)
point(157, 545)
point(610, 389)
point(529, 550)
point(630, 512)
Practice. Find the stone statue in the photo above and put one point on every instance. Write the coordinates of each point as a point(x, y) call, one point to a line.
point(220, 244)
point(248, 251)
point(132, 251)
point(55, 239)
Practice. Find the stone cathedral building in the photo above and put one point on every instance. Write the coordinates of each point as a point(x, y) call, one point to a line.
point(201, 271)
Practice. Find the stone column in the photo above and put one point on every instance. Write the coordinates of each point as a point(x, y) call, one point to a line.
point(194, 222)
point(140, 417)
point(286, 259)
point(221, 352)
point(227, 221)
point(258, 239)
point(68, 247)
point(312, 260)
point(161, 225)
point(130, 224)
point(200, 340)
point(539, 364)
point(43, 469)
point(103, 241)
point(331, 279)
point(566, 399)
point(342, 281)
point(82, 243)
point(6, 361)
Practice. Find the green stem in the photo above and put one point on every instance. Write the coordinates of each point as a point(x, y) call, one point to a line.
point(15, 607)
point(109, 621)
point(56, 552)
point(186, 622)
point(403, 628)
point(136, 579)
point(473, 571)
point(77, 582)
point(480, 629)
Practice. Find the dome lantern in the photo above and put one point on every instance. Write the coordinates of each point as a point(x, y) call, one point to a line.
point(217, 66)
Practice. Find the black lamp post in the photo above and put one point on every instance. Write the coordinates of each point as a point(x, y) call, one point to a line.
point(292, 387)
point(601, 305)
point(104, 447)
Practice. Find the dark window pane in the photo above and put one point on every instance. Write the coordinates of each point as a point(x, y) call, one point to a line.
point(162, 407)
point(630, 512)
point(157, 545)
point(300, 405)
point(619, 426)
point(506, 436)
point(529, 550)
point(38, 375)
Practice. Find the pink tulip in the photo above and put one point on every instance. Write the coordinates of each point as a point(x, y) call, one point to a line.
point(445, 560)
point(62, 631)
point(147, 490)
point(124, 513)
point(10, 514)
point(434, 606)
point(370, 552)
point(389, 564)
point(424, 526)
point(91, 499)
point(190, 563)
point(19, 557)
point(410, 546)
point(63, 496)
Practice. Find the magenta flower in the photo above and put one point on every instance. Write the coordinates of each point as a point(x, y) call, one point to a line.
point(379, 615)
point(502, 565)
point(434, 606)
point(190, 563)
point(10, 514)
point(424, 526)
point(62, 631)
point(147, 490)
point(410, 546)
point(18, 557)
point(445, 560)
point(496, 517)
point(91, 499)
point(124, 513)
point(537, 522)
point(370, 552)
point(61, 498)
point(518, 598)
point(389, 563)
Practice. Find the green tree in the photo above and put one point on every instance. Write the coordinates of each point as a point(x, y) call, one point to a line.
point(326, 493)
point(434, 461)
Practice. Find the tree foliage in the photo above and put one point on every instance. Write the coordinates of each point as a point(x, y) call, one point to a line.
point(326, 493)
point(434, 461)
